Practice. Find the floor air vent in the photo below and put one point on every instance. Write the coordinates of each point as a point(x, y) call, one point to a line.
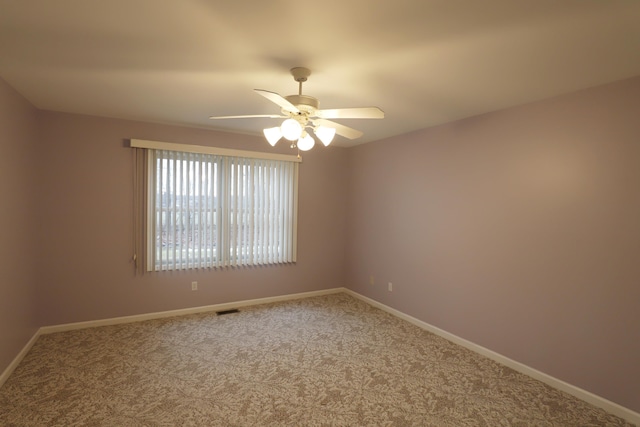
point(233, 310)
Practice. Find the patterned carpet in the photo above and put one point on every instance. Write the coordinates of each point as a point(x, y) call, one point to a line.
point(323, 361)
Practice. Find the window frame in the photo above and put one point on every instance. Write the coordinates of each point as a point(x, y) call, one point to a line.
point(144, 248)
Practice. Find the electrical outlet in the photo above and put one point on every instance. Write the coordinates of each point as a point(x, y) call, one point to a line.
point(194, 286)
point(390, 287)
point(371, 281)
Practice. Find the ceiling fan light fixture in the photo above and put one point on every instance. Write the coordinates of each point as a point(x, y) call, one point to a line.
point(306, 142)
point(302, 112)
point(273, 135)
point(291, 129)
point(325, 134)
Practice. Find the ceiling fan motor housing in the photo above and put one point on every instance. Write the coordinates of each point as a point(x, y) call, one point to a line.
point(305, 103)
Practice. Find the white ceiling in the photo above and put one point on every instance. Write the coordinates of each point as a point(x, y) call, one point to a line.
point(424, 62)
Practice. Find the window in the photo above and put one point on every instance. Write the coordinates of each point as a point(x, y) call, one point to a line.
point(208, 208)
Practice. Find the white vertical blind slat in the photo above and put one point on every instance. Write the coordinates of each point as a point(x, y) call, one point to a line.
point(264, 235)
point(219, 217)
point(224, 255)
point(250, 207)
point(152, 211)
point(279, 216)
point(198, 227)
point(174, 217)
point(236, 213)
point(204, 217)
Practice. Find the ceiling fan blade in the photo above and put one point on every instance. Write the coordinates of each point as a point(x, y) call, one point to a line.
point(351, 113)
point(278, 100)
point(342, 130)
point(268, 116)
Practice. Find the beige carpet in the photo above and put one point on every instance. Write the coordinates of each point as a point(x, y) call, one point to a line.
point(322, 361)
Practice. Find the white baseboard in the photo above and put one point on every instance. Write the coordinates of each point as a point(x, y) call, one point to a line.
point(16, 360)
point(601, 402)
point(183, 311)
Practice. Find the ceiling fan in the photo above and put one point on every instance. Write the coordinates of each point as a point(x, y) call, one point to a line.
point(301, 112)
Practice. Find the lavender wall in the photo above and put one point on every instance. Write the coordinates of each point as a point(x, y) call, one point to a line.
point(518, 230)
point(86, 200)
point(18, 126)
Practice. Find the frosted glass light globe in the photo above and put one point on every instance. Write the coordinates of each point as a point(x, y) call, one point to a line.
point(272, 135)
point(325, 134)
point(291, 129)
point(306, 143)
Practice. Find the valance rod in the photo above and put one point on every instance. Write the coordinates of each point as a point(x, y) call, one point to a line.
point(201, 149)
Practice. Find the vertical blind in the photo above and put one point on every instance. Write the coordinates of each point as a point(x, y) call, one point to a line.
point(208, 211)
